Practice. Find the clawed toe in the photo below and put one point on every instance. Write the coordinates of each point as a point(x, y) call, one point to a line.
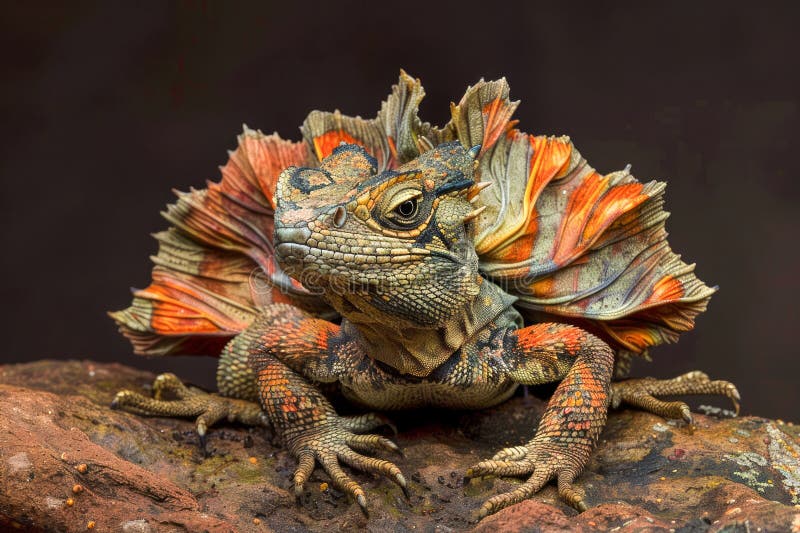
point(643, 393)
point(373, 443)
point(541, 475)
point(330, 462)
point(375, 466)
point(543, 462)
point(367, 422)
point(207, 409)
point(167, 386)
point(515, 453)
point(500, 468)
point(336, 444)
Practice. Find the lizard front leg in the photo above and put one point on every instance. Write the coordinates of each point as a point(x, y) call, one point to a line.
point(296, 346)
point(573, 419)
point(576, 414)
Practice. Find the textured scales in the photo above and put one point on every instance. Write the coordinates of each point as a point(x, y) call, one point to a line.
point(373, 256)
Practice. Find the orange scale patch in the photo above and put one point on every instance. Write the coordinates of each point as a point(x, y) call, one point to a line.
point(667, 289)
point(325, 144)
point(290, 402)
point(621, 199)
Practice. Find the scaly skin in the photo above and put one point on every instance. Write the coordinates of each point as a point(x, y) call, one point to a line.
point(420, 327)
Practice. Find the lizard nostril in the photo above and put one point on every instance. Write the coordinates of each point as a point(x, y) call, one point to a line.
point(339, 216)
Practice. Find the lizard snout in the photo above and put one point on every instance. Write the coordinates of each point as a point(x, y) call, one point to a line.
point(292, 235)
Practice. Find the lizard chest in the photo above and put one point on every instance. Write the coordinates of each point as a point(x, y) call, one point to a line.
point(375, 372)
point(427, 394)
point(466, 381)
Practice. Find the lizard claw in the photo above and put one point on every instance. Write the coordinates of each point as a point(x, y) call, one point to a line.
point(207, 409)
point(334, 444)
point(362, 503)
point(543, 462)
point(203, 443)
point(643, 393)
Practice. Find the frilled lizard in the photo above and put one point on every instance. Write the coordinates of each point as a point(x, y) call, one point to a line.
point(373, 255)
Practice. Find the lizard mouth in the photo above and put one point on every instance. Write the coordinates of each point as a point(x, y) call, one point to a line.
point(291, 254)
point(292, 249)
point(302, 262)
point(290, 246)
point(289, 251)
point(359, 268)
point(294, 257)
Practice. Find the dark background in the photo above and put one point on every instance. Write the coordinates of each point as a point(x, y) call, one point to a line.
point(106, 107)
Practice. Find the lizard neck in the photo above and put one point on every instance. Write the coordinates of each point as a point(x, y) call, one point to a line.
point(418, 351)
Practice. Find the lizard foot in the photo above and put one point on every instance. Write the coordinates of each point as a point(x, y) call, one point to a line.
point(335, 441)
point(189, 402)
point(642, 393)
point(544, 461)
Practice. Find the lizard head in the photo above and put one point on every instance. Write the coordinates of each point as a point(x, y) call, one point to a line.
point(391, 248)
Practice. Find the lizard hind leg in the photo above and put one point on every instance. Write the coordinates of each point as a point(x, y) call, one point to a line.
point(171, 398)
point(644, 392)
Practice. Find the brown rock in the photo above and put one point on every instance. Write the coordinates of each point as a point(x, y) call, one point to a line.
point(147, 474)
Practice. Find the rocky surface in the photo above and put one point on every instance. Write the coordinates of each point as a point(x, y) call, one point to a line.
point(68, 463)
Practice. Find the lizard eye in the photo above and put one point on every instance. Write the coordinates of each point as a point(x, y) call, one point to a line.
point(403, 208)
point(408, 208)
